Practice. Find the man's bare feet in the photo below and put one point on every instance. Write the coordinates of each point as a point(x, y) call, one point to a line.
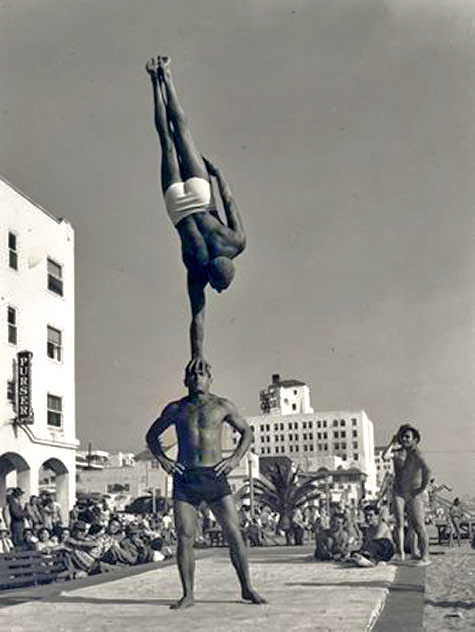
point(152, 68)
point(164, 62)
point(251, 595)
point(422, 562)
point(184, 602)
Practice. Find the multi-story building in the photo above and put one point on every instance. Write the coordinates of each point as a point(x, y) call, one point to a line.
point(290, 426)
point(383, 466)
point(37, 379)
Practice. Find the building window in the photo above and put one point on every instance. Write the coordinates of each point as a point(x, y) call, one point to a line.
point(305, 436)
point(337, 446)
point(286, 401)
point(311, 447)
point(310, 436)
point(355, 445)
point(291, 436)
point(12, 325)
point(320, 447)
point(304, 425)
point(291, 448)
point(355, 433)
point(55, 411)
point(324, 422)
point(252, 428)
point(325, 435)
point(310, 424)
point(268, 427)
point(294, 406)
point(319, 435)
point(354, 421)
point(295, 391)
point(343, 434)
point(343, 446)
point(281, 437)
point(325, 446)
point(355, 456)
point(342, 422)
point(281, 426)
point(55, 277)
point(335, 422)
point(54, 347)
point(344, 457)
point(335, 434)
point(296, 448)
point(305, 449)
point(12, 251)
point(319, 424)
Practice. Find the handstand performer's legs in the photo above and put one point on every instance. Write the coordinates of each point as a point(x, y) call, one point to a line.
point(225, 511)
point(185, 524)
point(191, 161)
point(170, 166)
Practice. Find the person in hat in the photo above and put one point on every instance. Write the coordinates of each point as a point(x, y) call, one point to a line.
point(18, 513)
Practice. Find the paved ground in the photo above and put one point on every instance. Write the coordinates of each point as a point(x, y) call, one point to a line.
point(303, 595)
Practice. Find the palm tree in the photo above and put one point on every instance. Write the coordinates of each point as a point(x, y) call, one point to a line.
point(283, 490)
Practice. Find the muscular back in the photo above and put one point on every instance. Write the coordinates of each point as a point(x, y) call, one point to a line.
point(205, 237)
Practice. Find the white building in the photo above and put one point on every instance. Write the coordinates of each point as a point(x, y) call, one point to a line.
point(37, 379)
point(297, 431)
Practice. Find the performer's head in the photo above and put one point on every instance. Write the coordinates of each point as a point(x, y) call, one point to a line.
point(198, 375)
point(408, 436)
point(221, 272)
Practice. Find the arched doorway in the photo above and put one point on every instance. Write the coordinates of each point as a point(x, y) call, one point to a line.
point(14, 472)
point(54, 478)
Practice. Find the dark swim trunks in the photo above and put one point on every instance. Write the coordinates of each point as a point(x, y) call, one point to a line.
point(200, 483)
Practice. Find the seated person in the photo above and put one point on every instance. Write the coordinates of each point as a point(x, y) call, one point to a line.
point(44, 544)
point(29, 540)
point(378, 543)
point(333, 543)
point(6, 543)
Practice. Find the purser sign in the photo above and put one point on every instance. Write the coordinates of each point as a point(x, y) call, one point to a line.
point(24, 409)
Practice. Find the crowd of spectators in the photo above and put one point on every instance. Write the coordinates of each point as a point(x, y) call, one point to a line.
point(92, 538)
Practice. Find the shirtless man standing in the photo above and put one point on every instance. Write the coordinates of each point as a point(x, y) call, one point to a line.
point(208, 244)
point(411, 478)
point(199, 473)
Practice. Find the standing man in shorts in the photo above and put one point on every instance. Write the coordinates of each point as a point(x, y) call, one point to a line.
point(199, 473)
point(412, 476)
point(208, 244)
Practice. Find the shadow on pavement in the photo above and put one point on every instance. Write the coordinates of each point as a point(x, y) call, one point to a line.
point(465, 605)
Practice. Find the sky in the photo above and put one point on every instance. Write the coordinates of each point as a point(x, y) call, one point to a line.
point(346, 131)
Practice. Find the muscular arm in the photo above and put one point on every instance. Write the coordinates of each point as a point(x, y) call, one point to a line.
point(196, 293)
point(389, 449)
point(233, 216)
point(236, 421)
point(166, 419)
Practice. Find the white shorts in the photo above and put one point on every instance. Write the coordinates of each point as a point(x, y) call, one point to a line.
point(185, 198)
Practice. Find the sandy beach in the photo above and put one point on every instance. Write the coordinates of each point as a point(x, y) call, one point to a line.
point(450, 589)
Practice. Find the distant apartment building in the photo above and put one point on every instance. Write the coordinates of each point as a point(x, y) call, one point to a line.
point(289, 426)
point(37, 377)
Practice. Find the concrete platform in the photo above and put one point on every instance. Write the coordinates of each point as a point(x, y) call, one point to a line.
point(303, 595)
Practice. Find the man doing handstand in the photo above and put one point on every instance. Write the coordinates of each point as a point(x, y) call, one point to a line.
point(199, 473)
point(208, 245)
